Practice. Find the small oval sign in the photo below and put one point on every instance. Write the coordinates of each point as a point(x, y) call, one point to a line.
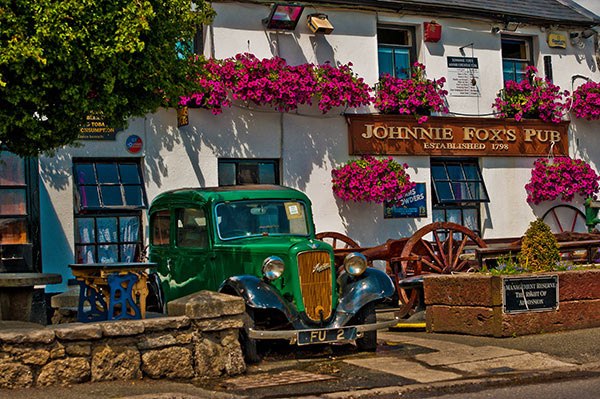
point(134, 144)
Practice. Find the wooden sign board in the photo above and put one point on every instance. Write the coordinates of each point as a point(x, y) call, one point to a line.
point(377, 134)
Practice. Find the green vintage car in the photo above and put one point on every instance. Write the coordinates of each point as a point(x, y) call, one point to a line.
point(258, 242)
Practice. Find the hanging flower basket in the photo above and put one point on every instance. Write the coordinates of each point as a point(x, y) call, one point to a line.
point(585, 103)
point(416, 96)
point(561, 177)
point(371, 180)
point(531, 98)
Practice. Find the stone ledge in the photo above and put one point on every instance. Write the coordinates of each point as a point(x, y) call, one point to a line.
point(78, 331)
point(206, 305)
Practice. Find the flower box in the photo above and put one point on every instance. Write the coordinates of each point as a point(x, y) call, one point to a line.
point(471, 303)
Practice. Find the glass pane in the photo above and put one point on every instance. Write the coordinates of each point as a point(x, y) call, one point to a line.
point(128, 252)
point(461, 191)
point(470, 219)
point(13, 202)
point(85, 231)
point(133, 196)
point(191, 228)
point(520, 71)
point(453, 215)
point(13, 231)
point(266, 173)
point(84, 254)
point(226, 174)
point(402, 63)
point(439, 215)
point(247, 173)
point(160, 228)
point(111, 195)
point(455, 172)
point(89, 197)
point(129, 173)
point(129, 228)
point(84, 173)
point(508, 68)
point(438, 172)
point(107, 229)
point(108, 253)
point(107, 173)
point(386, 60)
point(443, 191)
point(12, 169)
point(471, 172)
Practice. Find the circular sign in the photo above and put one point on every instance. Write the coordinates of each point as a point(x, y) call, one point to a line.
point(134, 144)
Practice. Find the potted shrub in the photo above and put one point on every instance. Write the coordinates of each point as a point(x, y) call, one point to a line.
point(417, 96)
point(531, 98)
point(371, 180)
point(561, 177)
point(585, 102)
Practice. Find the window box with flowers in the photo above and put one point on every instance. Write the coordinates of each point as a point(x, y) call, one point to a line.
point(585, 102)
point(417, 96)
point(531, 98)
point(561, 177)
point(371, 180)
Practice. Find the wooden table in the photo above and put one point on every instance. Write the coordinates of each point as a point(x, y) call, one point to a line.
point(16, 293)
point(111, 291)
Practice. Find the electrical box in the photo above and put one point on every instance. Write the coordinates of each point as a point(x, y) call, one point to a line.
point(432, 31)
point(319, 23)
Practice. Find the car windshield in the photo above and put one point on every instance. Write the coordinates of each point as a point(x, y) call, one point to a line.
point(264, 217)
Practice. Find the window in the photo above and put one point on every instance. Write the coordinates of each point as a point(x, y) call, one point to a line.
point(13, 200)
point(109, 198)
point(195, 45)
point(458, 189)
point(396, 51)
point(160, 224)
point(191, 228)
point(248, 171)
point(516, 56)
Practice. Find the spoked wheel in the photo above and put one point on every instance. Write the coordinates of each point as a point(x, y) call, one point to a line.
point(565, 218)
point(442, 255)
point(337, 240)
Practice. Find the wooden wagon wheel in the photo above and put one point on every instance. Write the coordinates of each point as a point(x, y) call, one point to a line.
point(337, 240)
point(565, 218)
point(442, 255)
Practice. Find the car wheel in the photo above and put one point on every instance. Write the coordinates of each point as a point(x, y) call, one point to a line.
point(366, 315)
point(249, 346)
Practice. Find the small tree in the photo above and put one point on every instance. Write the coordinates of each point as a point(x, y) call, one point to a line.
point(539, 249)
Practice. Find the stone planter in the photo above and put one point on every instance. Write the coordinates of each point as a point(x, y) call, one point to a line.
point(472, 304)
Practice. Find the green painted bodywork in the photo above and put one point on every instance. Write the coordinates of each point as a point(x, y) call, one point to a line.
point(185, 270)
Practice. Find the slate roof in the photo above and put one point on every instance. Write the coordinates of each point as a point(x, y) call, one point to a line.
point(534, 11)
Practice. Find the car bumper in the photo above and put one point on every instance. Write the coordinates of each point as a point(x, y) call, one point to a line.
point(321, 335)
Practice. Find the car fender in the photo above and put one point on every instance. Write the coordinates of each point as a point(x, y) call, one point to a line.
point(258, 294)
point(356, 292)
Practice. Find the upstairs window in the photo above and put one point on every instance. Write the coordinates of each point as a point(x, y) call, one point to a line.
point(516, 56)
point(396, 51)
point(248, 171)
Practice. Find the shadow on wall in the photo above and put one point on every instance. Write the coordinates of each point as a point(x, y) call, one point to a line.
point(56, 170)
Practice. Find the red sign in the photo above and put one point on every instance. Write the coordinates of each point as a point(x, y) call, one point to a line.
point(134, 144)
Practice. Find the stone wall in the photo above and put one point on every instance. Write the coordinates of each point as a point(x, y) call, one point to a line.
point(198, 339)
point(472, 304)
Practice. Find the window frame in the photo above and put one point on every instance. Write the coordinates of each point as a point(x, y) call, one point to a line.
point(467, 181)
point(254, 162)
point(411, 46)
point(528, 61)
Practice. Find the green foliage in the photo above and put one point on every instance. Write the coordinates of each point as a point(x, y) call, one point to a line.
point(61, 60)
point(539, 248)
point(504, 265)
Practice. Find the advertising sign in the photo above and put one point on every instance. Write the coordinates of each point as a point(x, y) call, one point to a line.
point(413, 205)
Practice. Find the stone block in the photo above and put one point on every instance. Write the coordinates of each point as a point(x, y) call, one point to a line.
point(77, 331)
point(473, 320)
point(78, 349)
point(15, 375)
point(29, 336)
point(471, 289)
point(579, 284)
point(116, 328)
point(206, 305)
point(156, 341)
point(222, 323)
point(115, 363)
point(218, 354)
point(166, 323)
point(34, 357)
point(173, 362)
point(64, 372)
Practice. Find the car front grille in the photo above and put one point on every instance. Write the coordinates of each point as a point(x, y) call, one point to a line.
point(314, 269)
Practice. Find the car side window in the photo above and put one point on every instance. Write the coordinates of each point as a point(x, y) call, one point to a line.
point(160, 228)
point(191, 228)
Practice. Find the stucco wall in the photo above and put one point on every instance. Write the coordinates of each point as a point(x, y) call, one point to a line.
point(310, 144)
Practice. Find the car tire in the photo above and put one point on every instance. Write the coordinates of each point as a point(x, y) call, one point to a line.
point(249, 346)
point(368, 343)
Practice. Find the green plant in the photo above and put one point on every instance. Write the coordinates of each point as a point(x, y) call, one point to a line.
point(539, 249)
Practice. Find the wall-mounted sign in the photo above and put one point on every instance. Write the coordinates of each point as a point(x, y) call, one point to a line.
point(96, 129)
point(378, 134)
point(134, 144)
point(556, 40)
point(182, 117)
point(463, 77)
point(529, 294)
point(412, 205)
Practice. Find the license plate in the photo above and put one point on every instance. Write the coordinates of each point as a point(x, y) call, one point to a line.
point(306, 337)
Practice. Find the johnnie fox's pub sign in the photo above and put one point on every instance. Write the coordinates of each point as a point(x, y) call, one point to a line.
point(403, 135)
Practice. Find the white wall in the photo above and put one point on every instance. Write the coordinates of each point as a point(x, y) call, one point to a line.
point(310, 144)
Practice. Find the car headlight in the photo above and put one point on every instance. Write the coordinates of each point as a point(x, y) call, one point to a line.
point(272, 267)
point(355, 263)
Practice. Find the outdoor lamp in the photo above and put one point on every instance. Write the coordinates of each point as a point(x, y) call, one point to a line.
point(319, 23)
point(283, 17)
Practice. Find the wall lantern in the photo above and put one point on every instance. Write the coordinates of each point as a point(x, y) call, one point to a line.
point(432, 31)
point(319, 23)
point(283, 17)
